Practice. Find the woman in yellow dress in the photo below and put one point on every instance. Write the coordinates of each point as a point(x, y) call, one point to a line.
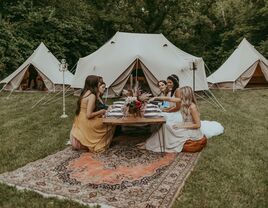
point(88, 130)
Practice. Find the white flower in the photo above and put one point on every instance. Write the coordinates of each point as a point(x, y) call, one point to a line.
point(130, 100)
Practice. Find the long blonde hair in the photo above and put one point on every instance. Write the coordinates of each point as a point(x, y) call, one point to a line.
point(187, 98)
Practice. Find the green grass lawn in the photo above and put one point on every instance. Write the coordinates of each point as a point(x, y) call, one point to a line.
point(232, 170)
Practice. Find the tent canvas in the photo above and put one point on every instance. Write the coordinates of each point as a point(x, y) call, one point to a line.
point(47, 67)
point(157, 57)
point(246, 67)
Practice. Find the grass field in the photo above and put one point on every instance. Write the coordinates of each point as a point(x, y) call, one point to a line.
point(232, 170)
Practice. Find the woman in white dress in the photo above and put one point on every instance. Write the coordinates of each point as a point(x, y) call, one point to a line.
point(173, 85)
point(171, 111)
point(177, 134)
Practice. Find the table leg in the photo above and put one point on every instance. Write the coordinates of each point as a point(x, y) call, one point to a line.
point(160, 143)
point(163, 137)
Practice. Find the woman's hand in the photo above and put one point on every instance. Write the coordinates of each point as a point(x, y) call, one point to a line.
point(102, 112)
point(177, 126)
point(151, 99)
point(165, 110)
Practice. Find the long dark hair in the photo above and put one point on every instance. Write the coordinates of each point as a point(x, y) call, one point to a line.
point(91, 84)
point(101, 95)
point(176, 82)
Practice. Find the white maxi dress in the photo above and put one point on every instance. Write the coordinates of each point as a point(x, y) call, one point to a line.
point(174, 139)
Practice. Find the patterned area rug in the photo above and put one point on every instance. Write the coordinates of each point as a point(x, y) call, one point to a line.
point(124, 176)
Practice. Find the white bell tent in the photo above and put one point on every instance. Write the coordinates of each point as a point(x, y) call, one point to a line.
point(156, 57)
point(46, 68)
point(245, 68)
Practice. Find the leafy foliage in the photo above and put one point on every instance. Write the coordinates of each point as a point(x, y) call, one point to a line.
point(72, 29)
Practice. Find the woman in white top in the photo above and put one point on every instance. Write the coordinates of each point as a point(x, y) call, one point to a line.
point(172, 113)
point(173, 85)
point(177, 134)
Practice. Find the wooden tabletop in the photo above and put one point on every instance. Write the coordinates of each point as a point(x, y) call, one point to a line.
point(133, 120)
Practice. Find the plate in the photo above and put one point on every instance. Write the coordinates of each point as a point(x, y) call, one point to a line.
point(115, 110)
point(115, 114)
point(152, 110)
point(119, 102)
point(149, 105)
point(152, 115)
point(117, 106)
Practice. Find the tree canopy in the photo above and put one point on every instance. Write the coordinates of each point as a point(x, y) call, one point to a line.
point(72, 29)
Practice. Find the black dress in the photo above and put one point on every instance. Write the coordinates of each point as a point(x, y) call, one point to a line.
point(100, 105)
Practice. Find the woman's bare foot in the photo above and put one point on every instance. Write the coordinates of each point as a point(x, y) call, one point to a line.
point(76, 144)
point(141, 145)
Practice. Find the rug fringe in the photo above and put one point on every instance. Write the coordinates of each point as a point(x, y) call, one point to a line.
point(45, 195)
point(185, 178)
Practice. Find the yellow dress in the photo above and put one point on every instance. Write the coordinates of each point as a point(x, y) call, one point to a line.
point(92, 133)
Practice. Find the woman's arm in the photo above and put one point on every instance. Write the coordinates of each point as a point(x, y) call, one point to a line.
point(178, 103)
point(169, 99)
point(91, 106)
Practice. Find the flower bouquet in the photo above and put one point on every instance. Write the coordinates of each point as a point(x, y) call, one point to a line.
point(133, 106)
point(135, 102)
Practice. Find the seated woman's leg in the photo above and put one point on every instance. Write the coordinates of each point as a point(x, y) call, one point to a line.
point(76, 145)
